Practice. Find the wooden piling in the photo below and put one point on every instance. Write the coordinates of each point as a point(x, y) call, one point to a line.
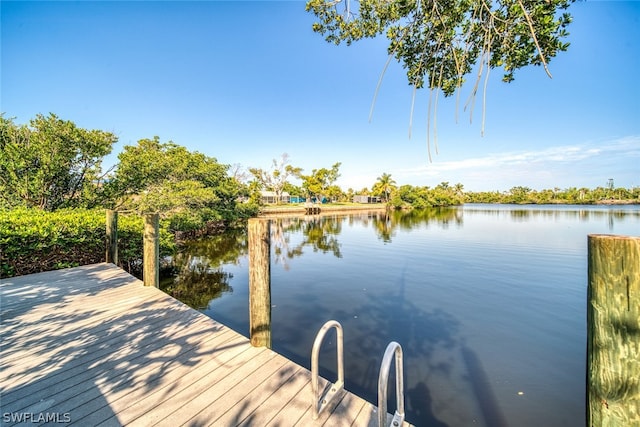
point(151, 250)
point(259, 242)
point(613, 331)
point(112, 237)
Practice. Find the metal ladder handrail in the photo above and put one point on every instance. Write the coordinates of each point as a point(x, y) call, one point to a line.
point(383, 380)
point(320, 402)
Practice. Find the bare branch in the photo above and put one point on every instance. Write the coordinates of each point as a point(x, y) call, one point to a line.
point(535, 39)
point(375, 94)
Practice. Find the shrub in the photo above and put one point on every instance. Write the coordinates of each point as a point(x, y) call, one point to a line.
point(32, 240)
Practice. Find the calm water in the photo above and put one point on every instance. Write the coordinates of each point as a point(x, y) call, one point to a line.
point(487, 301)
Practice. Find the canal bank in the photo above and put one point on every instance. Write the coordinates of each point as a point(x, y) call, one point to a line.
point(301, 209)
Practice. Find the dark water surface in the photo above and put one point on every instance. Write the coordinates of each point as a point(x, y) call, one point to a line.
point(487, 301)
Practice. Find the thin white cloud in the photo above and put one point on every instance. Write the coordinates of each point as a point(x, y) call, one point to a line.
point(628, 146)
point(548, 166)
point(589, 164)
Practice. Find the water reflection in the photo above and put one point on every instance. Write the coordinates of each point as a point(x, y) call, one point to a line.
point(199, 276)
point(491, 307)
point(443, 217)
point(318, 233)
point(431, 333)
point(526, 213)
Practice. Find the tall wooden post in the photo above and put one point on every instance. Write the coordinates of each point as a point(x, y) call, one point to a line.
point(260, 282)
point(112, 237)
point(151, 250)
point(613, 331)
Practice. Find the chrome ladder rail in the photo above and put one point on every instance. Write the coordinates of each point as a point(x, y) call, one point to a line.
point(335, 389)
point(383, 380)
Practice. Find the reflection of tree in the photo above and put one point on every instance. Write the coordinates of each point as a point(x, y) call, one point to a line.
point(384, 226)
point(430, 339)
point(199, 275)
point(561, 212)
point(318, 232)
point(199, 286)
point(386, 223)
point(321, 232)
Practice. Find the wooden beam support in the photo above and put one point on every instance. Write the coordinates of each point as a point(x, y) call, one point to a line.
point(260, 282)
point(112, 237)
point(151, 250)
point(613, 331)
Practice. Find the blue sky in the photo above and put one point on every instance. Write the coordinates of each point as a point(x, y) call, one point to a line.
point(245, 82)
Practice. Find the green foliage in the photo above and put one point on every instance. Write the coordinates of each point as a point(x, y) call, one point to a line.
point(51, 163)
point(276, 179)
point(408, 196)
point(188, 188)
point(384, 186)
point(318, 183)
point(571, 195)
point(32, 240)
point(439, 42)
point(293, 190)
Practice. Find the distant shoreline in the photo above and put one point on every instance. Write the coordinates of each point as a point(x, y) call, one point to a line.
point(617, 202)
point(300, 209)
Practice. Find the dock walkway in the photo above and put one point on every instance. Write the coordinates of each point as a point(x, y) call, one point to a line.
point(91, 346)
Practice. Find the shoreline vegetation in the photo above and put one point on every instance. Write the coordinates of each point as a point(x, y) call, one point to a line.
point(299, 208)
point(32, 240)
point(53, 196)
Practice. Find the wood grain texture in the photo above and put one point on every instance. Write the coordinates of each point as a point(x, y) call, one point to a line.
point(613, 331)
point(111, 255)
point(260, 282)
point(151, 250)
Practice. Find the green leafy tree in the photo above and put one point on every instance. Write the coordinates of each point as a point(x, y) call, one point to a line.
point(189, 187)
point(293, 190)
point(443, 194)
point(277, 178)
point(51, 163)
point(439, 41)
point(519, 195)
point(335, 194)
point(317, 184)
point(384, 186)
point(364, 191)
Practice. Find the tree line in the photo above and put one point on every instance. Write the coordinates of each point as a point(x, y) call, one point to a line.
point(572, 195)
point(53, 192)
point(320, 184)
point(50, 164)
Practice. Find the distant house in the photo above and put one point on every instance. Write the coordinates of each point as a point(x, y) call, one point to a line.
point(366, 199)
point(297, 199)
point(270, 197)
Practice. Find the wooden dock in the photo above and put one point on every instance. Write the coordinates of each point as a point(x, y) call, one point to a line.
point(92, 346)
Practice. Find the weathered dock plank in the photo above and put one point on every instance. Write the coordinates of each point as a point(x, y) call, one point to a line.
point(92, 346)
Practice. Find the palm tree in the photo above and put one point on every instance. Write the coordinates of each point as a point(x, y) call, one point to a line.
point(384, 185)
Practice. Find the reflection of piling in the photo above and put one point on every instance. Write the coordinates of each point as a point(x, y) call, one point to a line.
point(151, 250)
point(613, 331)
point(259, 282)
point(311, 209)
point(483, 389)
